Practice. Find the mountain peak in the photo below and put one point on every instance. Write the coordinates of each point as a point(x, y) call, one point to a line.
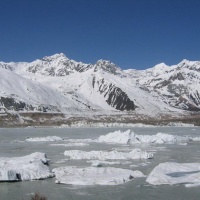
point(107, 66)
point(55, 57)
point(187, 62)
point(192, 65)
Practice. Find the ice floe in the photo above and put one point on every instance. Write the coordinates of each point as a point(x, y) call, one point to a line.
point(80, 140)
point(195, 139)
point(99, 163)
point(30, 167)
point(95, 176)
point(108, 155)
point(71, 144)
point(192, 185)
point(129, 137)
point(180, 124)
point(62, 161)
point(44, 139)
point(118, 137)
point(175, 173)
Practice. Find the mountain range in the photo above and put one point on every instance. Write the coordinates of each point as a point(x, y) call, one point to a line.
point(58, 86)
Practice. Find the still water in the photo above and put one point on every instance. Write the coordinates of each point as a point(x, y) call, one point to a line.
point(12, 144)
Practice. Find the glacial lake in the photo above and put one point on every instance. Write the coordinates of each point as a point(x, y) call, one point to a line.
point(13, 144)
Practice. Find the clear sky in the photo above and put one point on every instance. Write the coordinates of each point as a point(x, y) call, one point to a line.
point(131, 33)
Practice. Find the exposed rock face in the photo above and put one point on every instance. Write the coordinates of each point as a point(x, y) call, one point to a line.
point(117, 98)
point(10, 103)
point(114, 96)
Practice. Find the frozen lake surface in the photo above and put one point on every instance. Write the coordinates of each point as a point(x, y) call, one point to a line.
point(13, 144)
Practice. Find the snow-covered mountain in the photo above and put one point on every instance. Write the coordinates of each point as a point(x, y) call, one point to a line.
point(22, 94)
point(58, 84)
point(177, 85)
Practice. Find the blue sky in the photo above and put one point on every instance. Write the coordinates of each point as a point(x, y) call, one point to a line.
point(131, 33)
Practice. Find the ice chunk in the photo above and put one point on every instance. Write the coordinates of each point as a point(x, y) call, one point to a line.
point(167, 138)
point(30, 167)
point(44, 139)
point(175, 173)
point(129, 137)
point(118, 137)
point(106, 155)
point(95, 176)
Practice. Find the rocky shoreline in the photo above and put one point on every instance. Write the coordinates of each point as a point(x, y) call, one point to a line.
point(11, 120)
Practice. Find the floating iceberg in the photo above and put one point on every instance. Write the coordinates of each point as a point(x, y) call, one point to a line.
point(45, 139)
point(129, 137)
point(118, 137)
point(108, 155)
point(175, 173)
point(30, 167)
point(95, 176)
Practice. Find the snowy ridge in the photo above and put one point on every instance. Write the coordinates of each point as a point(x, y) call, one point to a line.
point(22, 94)
point(58, 84)
point(177, 85)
